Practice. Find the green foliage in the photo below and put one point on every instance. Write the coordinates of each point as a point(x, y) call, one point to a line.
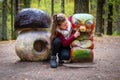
point(110, 2)
point(45, 5)
point(26, 3)
point(69, 7)
point(115, 33)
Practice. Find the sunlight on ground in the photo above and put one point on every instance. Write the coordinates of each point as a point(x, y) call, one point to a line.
point(9, 41)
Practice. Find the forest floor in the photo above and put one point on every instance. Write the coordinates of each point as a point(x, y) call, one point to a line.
point(106, 65)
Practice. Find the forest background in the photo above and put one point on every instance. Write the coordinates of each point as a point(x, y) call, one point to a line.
point(106, 13)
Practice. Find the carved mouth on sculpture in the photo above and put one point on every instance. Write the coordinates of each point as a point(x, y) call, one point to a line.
point(82, 28)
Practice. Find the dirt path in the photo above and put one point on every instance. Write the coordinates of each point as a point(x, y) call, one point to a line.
point(106, 65)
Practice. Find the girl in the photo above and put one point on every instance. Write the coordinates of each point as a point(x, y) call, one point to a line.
point(61, 39)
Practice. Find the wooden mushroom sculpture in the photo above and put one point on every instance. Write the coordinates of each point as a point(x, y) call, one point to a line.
point(32, 43)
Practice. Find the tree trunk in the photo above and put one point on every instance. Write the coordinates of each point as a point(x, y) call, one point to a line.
point(52, 7)
point(62, 6)
point(110, 20)
point(92, 6)
point(39, 3)
point(117, 9)
point(4, 20)
point(12, 19)
point(98, 29)
point(16, 7)
point(106, 16)
point(0, 23)
point(81, 6)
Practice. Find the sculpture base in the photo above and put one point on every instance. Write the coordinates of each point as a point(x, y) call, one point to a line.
point(33, 46)
point(81, 55)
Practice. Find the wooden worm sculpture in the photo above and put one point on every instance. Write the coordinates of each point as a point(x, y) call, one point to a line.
point(82, 47)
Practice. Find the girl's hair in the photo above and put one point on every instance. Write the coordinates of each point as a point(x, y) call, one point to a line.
point(57, 20)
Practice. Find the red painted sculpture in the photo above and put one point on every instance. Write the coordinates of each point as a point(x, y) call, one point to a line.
point(82, 47)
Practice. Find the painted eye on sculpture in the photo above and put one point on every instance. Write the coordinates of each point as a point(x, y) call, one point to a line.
point(89, 22)
point(76, 22)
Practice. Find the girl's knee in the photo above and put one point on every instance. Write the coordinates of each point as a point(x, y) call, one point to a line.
point(66, 56)
point(57, 41)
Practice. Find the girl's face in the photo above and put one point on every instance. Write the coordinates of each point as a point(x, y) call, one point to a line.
point(64, 25)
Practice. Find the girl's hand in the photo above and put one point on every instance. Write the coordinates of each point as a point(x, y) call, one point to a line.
point(76, 34)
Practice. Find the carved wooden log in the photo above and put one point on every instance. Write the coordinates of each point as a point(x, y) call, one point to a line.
point(82, 47)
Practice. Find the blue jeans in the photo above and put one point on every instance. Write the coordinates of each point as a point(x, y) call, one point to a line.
point(63, 52)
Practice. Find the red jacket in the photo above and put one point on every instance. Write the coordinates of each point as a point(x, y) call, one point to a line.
point(66, 42)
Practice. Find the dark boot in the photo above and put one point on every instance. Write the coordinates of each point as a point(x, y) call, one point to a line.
point(53, 62)
point(61, 62)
